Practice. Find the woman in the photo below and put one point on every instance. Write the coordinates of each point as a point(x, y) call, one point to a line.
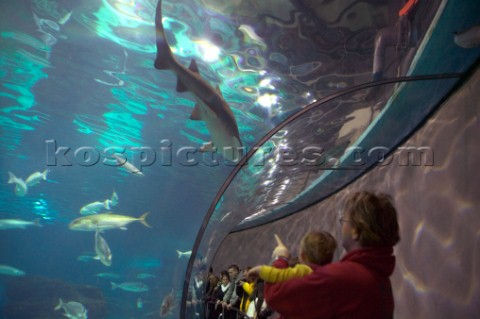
point(358, 286)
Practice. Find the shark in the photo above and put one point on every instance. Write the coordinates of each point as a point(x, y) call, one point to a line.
point(210, 105)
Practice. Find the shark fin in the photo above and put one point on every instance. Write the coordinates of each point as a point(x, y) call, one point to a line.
point(193, 66)
point(181, 87)
point(196, 115)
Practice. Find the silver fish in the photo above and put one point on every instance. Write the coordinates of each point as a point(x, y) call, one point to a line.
point(73, 309)
point(103, 250)
point(108, 275)
point(105, 221)
point(185, 254)
point(145, 276)
point(10, 271)
point(95, 207)
point(130, 286)
point(18, 223)
point(168, 303)
point(36, 177)
point(21, 188)
point(122, 161)
point(211, 107)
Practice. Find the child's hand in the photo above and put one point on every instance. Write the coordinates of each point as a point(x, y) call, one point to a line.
point(254, 272)
point(281, 250)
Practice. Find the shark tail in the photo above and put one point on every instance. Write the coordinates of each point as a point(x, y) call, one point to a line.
point(179, 253)
point(164, 55)
point(114, 285)
point(142, 219)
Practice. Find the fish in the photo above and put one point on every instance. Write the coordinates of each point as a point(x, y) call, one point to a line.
point(105, 221)
point(122, 161)
point(73, 309)
point(132, 286)
point(108, 275)
point(469, 38)
point(210, 106)
point(102, 250)
point(36, 177)
point(21, 188)
point(185, 254)
point(168, 303)
point(11, 271)
point(145, 276)
point(18, 223)
point(95, 207)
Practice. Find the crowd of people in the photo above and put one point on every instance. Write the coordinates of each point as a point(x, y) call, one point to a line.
point(312, 285)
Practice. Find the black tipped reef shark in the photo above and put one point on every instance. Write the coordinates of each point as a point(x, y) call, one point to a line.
point(210, 105)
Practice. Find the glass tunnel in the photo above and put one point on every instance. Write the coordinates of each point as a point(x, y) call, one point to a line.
point(144, 142)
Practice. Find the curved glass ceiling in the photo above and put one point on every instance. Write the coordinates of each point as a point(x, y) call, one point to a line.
point(326, 145)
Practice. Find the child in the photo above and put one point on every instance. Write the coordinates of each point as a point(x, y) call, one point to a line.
point(316, 247)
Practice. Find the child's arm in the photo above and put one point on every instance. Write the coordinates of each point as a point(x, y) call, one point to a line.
point(273, 275)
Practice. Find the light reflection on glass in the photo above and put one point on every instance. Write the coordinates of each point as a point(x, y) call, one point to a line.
point(208, 51)
point(267, 100)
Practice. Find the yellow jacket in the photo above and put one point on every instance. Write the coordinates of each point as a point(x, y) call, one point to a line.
point(248, 288)
point(273, 275)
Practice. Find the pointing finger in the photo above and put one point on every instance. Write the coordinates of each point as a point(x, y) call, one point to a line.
point(279, 241)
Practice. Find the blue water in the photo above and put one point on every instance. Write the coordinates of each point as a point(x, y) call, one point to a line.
point(89, 82)
point(79, 75)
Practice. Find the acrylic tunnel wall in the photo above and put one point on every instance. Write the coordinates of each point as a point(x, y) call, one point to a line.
point(437, 273)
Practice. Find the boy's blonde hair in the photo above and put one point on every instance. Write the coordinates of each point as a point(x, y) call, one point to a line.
point(318, 247)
